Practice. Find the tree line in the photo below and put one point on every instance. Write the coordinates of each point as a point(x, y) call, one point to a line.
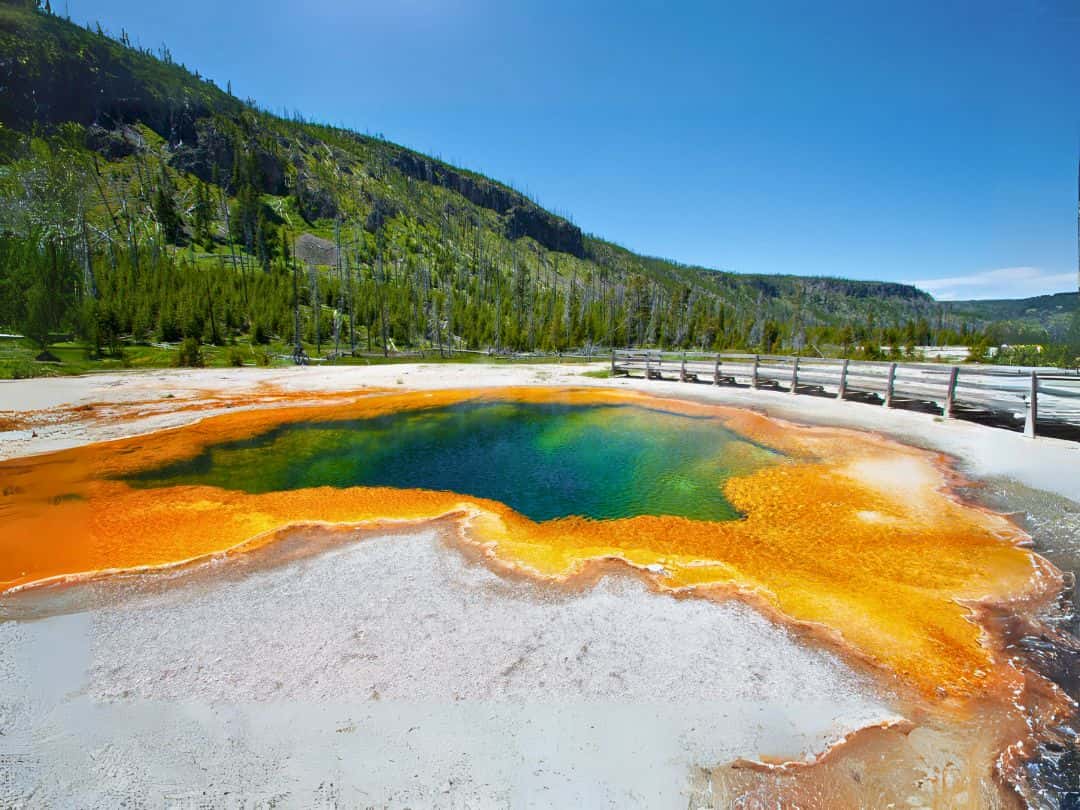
point(138, 253)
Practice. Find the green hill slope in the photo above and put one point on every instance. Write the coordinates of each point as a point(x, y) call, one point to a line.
point(174, 209)
point(1042, 319)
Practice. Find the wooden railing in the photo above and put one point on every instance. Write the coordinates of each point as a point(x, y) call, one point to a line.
point(1042, 398)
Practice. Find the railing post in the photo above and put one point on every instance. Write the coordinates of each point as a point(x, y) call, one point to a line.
point(795, 376)
point(1032, 407)
point(682, 369)
point(716, 371)
point(842, 390)
point(950, 394)
point(754, 375)
point(648, 357)
point(890, 385)
point(612, 362)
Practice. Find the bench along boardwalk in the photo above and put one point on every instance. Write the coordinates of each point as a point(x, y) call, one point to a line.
point(1041, 400)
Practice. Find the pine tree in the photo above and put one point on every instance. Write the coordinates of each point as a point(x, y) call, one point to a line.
point(165, 212)
point(203, 214)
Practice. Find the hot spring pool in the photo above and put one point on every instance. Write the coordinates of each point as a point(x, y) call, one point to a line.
point(545, 460)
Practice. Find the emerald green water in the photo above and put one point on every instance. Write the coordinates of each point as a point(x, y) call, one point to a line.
point(543, 460)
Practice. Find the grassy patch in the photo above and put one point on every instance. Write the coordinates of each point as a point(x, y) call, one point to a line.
point(17, 358)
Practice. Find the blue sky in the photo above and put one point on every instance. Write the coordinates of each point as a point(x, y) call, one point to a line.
point(933, 142)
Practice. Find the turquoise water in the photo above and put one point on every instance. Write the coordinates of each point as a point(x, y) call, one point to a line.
point(543, 460)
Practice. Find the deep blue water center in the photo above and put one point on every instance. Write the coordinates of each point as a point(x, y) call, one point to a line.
point(543, 460)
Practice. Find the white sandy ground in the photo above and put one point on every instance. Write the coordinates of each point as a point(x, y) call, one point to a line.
point(1048, 464)
point(260, 690)
point(391, 672)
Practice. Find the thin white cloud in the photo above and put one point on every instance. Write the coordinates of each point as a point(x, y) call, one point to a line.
point(1003, 282)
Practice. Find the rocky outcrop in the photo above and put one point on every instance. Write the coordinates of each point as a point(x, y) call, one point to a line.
point(315, 202)
point(52, 72)
point(117, 143)
point(522, 216)
point(214, 146)
point(271, 172)
point(474, 189)
point(381, 211)
point(211, 147)
point(312, 249)
point(554, 233)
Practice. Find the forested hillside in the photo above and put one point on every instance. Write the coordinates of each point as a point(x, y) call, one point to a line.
point(140, 203)
point(1042, 319)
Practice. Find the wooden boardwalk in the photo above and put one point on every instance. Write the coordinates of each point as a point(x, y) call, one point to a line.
point(1042, 401)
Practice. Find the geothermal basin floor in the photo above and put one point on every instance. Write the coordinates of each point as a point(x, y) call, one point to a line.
point(392, 670)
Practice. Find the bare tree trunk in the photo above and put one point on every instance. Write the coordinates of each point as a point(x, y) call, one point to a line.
point(214, 337)
point(112, 216)
point(89, 284)
point(498, 315)
point(232, 250)
point(381, 296)
point(447, 321)
point(568, 310)
point(352, 306)
point(341, 291)
point(316, 306)
point(298, 348)
point(133, 242)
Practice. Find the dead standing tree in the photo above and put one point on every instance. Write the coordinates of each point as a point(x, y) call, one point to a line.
point(339, 310)
point(298, 346)
point(316, 306)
